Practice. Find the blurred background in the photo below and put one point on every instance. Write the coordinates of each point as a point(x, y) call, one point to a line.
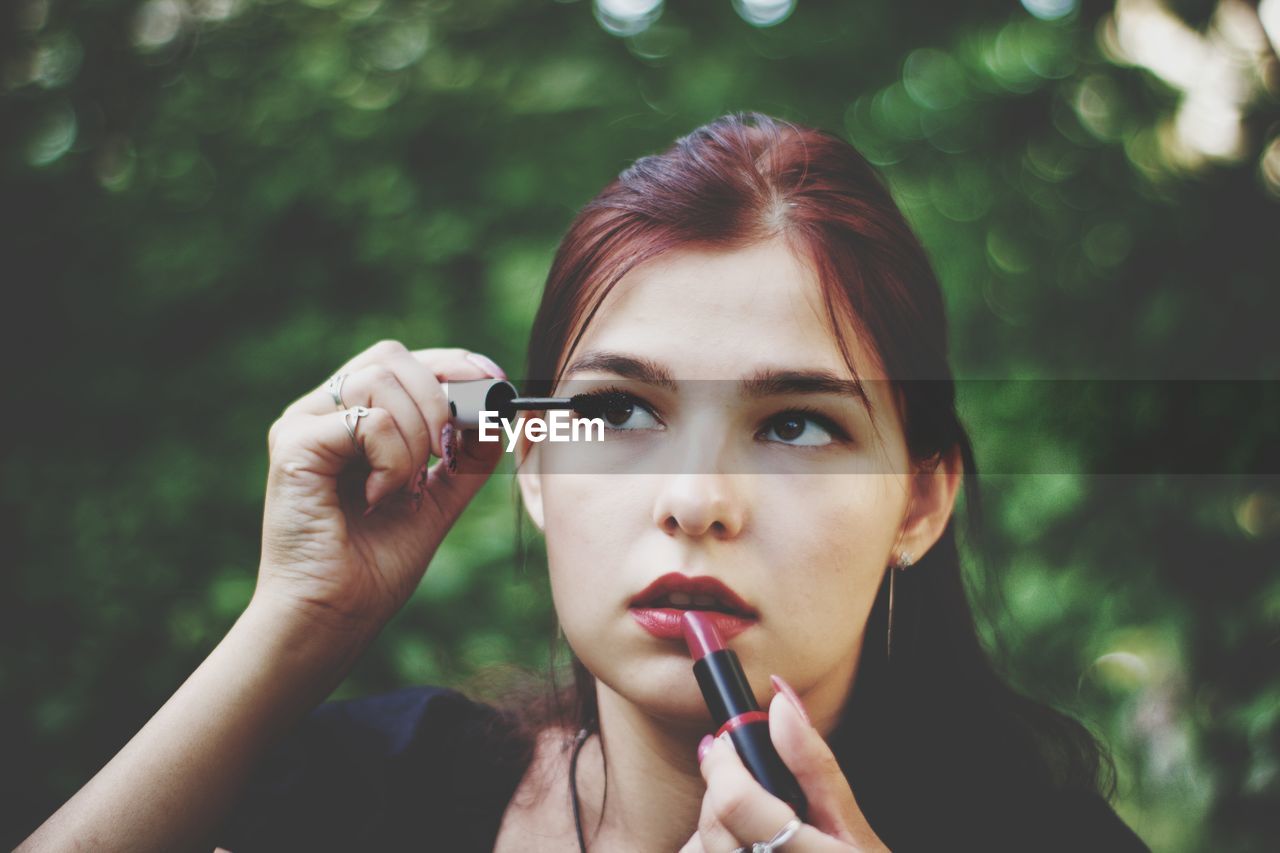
point(208, 205)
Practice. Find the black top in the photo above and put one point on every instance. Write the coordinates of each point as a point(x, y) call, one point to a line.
point(425, 768)
point(422, 768)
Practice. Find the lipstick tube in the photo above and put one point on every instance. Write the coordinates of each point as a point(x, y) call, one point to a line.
point(733, 707)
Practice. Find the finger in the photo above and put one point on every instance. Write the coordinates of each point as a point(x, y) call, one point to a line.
point(693, 845)
point(712, 834)
point(421, 372)
point(737, 811)
point(427, 394)
point(452, 482)
point(464, 362)
point(735, 807)
point(308, 447)
point(320, 400)
point(444, 363)
point(380, 386)
point(832, 806)
point(435, 366)
point(407, 383)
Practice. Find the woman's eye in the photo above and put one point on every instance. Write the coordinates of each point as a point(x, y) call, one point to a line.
point(797, 429)
point(625, 412)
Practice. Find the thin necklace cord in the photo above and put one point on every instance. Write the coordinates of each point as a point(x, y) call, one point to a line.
point(573, 787)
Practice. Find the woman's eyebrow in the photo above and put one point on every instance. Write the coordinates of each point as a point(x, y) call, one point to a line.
point(776, 383)
point(763, 383)
point(626, 366)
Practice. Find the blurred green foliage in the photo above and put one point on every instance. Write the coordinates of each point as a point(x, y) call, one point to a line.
point(209, 204)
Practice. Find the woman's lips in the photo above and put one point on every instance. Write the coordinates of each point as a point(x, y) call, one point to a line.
point(667, 622)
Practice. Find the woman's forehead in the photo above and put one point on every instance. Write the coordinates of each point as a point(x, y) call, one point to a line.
point(724, 314)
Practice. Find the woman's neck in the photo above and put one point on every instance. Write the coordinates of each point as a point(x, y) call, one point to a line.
point(654, 786)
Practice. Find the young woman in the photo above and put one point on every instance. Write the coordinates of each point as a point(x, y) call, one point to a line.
point(782, 438)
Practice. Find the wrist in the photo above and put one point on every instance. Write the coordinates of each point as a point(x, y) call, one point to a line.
point(315, 647)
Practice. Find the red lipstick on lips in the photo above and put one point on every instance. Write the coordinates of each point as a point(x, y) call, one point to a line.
point(733, 707)
point(653, 610)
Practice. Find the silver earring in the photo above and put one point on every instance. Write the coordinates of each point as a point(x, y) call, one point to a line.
point(904, 562)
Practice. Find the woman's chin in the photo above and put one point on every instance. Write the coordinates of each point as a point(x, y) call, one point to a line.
point(667, 689)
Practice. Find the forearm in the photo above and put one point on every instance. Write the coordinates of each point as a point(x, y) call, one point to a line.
point(172, 784)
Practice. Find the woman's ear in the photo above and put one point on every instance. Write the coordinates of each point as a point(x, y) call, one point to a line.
point(530, 479)
point(933, 498)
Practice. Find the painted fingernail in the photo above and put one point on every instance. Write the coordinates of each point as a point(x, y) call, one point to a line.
point(449, 438)
point(704, 746)
point(780, 686)
point(419, 487)
point(486, 364)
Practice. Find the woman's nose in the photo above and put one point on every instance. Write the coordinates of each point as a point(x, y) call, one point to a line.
point(699, 504)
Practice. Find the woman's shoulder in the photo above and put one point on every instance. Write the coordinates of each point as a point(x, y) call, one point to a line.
point(437, 732)
point(1074, 820)
point(392, 769)
point(396, 720)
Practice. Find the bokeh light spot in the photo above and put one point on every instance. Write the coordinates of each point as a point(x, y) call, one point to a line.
point(1258, 515)
point(1123, 671)
point(1269, 166)
point(1049, 10)
point(933, 79)
point(157, 23)
point(56, 61)
point(401, 46)
point(53, 136)
point(764, 13)
point(627, 17)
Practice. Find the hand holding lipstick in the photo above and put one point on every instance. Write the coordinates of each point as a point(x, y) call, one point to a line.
point(737, 811)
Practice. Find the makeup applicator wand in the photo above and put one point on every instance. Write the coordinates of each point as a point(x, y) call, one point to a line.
point(468, 399)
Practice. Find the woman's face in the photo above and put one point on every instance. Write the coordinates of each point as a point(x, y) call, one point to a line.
point(716, 479)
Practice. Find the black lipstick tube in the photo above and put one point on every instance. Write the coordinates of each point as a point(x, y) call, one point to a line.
point(733, 708)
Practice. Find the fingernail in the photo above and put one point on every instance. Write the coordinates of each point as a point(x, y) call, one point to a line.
point(486, 364)
point(449, 438)
point(780, 686)
point(419, 487)
point(704, 746)
point(368, 512)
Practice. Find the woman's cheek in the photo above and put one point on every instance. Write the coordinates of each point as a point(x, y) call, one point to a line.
point(833, 539)
point(587, 535)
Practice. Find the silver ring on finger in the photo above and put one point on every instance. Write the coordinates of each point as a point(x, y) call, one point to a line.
point(350, 418)
point(334, 386)
point(781, 837)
